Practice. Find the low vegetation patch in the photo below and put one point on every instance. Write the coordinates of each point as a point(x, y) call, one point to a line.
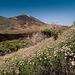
point(50, 33)
point(57, 60)
point(12, 46)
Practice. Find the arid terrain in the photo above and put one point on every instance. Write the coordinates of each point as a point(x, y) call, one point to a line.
point(22, 26)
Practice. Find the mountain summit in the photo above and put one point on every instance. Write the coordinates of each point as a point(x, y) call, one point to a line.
point(22, 14)
point(27, 19)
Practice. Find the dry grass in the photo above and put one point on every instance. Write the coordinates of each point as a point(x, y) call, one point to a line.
point(28, 29)
point(19, 30)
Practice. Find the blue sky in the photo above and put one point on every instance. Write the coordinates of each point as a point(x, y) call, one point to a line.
point(60, 11)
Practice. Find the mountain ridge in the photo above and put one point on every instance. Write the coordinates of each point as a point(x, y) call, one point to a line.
point(23, 24)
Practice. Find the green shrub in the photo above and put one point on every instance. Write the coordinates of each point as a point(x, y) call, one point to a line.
point(50, 33)
point(73, 22)
point(12, 46)
point(46, 32)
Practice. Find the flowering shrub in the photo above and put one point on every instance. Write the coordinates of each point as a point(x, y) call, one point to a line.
point(56, 60)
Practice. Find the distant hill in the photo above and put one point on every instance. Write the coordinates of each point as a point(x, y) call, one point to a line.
point(23, 24)
point(19, 24)
point(26, 20)
point(7, 24)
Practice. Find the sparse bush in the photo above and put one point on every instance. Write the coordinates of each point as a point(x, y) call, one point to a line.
point(47, 32)
point(73, 22)
point(50, 33)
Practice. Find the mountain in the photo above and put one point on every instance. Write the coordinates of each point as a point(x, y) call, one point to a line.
point(23, 24)
point(19, 24)
point(27, 20)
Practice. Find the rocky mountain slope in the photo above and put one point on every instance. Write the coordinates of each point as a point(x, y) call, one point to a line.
point(22, 26)
point(19, 24)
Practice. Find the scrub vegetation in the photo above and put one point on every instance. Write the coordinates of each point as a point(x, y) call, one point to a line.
point(57, 57)
point(7, 47)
